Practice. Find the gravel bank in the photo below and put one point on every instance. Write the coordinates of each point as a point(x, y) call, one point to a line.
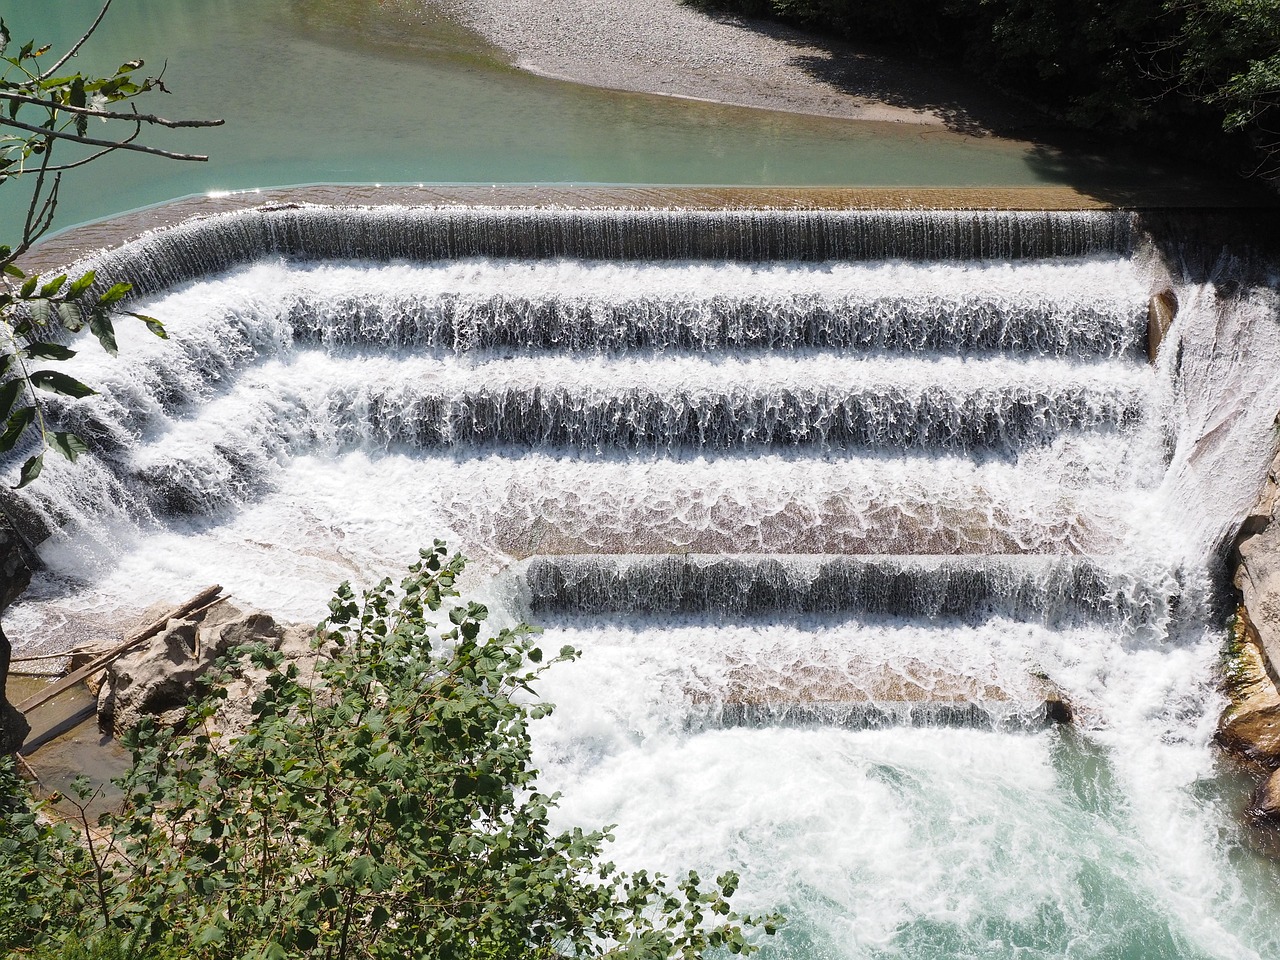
point(665, 47)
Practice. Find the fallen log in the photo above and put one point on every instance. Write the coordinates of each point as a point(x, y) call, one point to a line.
point(202, 601)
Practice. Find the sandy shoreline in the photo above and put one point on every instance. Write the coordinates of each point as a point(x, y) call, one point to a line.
point(665, 47)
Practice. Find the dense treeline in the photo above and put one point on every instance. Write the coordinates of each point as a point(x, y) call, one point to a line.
point(1203, 75)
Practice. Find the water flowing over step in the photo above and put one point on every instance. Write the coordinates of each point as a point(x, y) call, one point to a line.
point(1065, 498)
point(1042, 589)
point(212, 244)
point(841, 508)
point(574, 306)
point(544, 504)
point(823, 402)
point(859, 673)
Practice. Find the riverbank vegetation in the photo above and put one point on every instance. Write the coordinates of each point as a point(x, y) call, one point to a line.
point(1198, 77)
point(383, 805)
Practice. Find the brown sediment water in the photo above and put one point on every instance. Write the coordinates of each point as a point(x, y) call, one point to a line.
point(64, 744)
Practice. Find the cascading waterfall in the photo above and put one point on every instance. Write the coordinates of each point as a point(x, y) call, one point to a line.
point(843, 509)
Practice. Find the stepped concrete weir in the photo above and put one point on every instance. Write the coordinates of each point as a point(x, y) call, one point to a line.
point(840, 506)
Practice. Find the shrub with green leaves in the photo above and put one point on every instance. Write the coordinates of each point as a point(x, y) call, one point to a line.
point(383, 805)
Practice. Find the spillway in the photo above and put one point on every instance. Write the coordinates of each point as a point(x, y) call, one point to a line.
point(847, 511)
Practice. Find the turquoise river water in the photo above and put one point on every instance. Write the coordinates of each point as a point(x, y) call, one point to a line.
point(330, 92)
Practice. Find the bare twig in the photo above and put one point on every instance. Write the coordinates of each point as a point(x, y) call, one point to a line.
point(94, 142)
point(59, 167)
point(110, 114)
point(28, 770)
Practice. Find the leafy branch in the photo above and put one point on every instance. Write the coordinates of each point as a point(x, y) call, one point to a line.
point(36, 313)
point(43, 110)
point(381, 804)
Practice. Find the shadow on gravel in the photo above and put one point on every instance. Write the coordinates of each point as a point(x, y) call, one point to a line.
point(1098, 166)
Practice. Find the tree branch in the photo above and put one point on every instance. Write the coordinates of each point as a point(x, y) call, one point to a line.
point(29, 231)
point(109, 114)
point(94, 142)
point(89, 159)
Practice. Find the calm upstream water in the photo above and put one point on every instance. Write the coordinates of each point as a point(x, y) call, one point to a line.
point(356, 91)
point(829, 501)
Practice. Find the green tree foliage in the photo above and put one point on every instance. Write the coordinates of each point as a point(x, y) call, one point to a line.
point(1194, 73)
point(1230, 58)
point(45, 114)
point(384, 806)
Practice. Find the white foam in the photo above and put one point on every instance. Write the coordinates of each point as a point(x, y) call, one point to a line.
point(247, 457)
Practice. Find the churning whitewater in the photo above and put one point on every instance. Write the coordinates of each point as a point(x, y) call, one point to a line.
point(845, 514)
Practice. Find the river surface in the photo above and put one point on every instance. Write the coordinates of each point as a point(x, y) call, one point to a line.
point(357, 92)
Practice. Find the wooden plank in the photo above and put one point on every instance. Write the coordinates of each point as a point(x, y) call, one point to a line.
point(202, 601)
point(58, 656)
point(40, 737)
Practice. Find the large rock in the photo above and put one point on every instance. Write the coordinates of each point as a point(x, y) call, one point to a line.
point(1250, 726)
point(1257, 574)
point(1265, 805)
point(1161, 310)
point(1258, 578)
point(161, 677)
point(15, 575)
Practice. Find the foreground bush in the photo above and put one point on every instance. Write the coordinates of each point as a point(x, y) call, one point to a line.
point(385, 807)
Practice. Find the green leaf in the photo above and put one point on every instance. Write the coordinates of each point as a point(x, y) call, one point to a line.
point(114, 294)
point(210, 934)
point(80, 284)
point(9, 393)
point(30, 470)
point(100, 325)
point(53, 286)
point(69, 445)
point(29, 287)
point(70, 315)
point(57, 382)
point(48, 351)
point(12, 270)
point(18, 421)
point(154, 325)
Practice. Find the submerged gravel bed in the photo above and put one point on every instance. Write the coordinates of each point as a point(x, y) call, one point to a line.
point(667, 47)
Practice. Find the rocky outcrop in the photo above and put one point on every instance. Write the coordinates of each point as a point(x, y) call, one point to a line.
point(1258, 568)
point(15, 575)
point(160, 677)
point(1265, 806)
point(1250, 726)
point(1161, 310)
